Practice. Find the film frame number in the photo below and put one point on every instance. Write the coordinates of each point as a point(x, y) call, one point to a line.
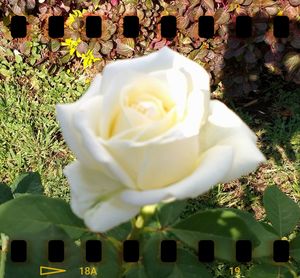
point(88, 271)
point(235, 271)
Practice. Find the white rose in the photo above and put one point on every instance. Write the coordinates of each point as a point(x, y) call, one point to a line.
point(146, 131)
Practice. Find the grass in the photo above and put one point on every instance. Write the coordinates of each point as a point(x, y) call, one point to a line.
point(30, 138)
point(275, 118)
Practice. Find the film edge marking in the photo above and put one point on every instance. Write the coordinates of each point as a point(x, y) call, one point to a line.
point(43, 270)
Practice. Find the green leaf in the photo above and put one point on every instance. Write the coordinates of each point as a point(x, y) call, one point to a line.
point(283, 213)
point(120, 232)
point(134, 2)
point(295, 248)
point(55, 45)
point(264, 232)
point(137, 271)
point(66, 58)
point(30, 214)
point(223, 226)
point(5, 193)
point(269, 271)
point(28, 183)
point(32, 60)
point(110, 265)
point(37, 250)
point(149, 4)
point(5, 72)
point(187, 264)
point(168, 214)
point(18, 58)
point(153, 266)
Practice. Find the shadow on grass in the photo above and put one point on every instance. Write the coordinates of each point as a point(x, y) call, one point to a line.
point(269, 102)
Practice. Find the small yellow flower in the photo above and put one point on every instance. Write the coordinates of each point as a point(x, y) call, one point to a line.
point(280, 13)
point(88, 58)
point(71, 44)
point(78, 54)
point(70, 20)
point(72, 17)
point(165, 13)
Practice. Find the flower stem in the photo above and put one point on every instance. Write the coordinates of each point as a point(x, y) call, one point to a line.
point(139, 222)
point(4, 243)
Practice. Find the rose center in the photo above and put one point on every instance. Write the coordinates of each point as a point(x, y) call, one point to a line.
point(152, 108)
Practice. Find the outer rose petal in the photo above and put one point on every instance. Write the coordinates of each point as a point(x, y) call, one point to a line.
point(109, 214)
point(125, 71)
point(95, 198)
point(79, 122)
point(213, 166)
point(156, 165)
point(64, 114)
point(224, 127)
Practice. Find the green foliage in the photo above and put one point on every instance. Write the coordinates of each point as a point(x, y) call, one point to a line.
point(28, 183)
point(187, 264)
point(30, 214)
point(37, 246)
point(283, 213)
point(295, 248)
point(111, 265)
point(5, 193)
point(223, 226)
point(37, 218)
point(120, 232)
point(168, 214)
point(25, 183)
point(270, 271)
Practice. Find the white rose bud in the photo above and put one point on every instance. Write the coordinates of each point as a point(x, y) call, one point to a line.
point(145, 132)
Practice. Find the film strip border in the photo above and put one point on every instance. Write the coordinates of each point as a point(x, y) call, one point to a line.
point(131, 26)
point(93, 252)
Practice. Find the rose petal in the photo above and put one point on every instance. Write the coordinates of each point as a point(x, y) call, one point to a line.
point(125, 71)
point(95, 147)
point(224, 127)
point(156, 128)
point(177, 83)
point(109, 214)
point(88, 114)
point(128, 118)
point(213, 166)
point(95, 198)
point(79, 122)
point(93, 90)
point(64, 114)
point(112, 95)
point(87, 186)
point(156, 164)
point(163, 59)
point(164, 164)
